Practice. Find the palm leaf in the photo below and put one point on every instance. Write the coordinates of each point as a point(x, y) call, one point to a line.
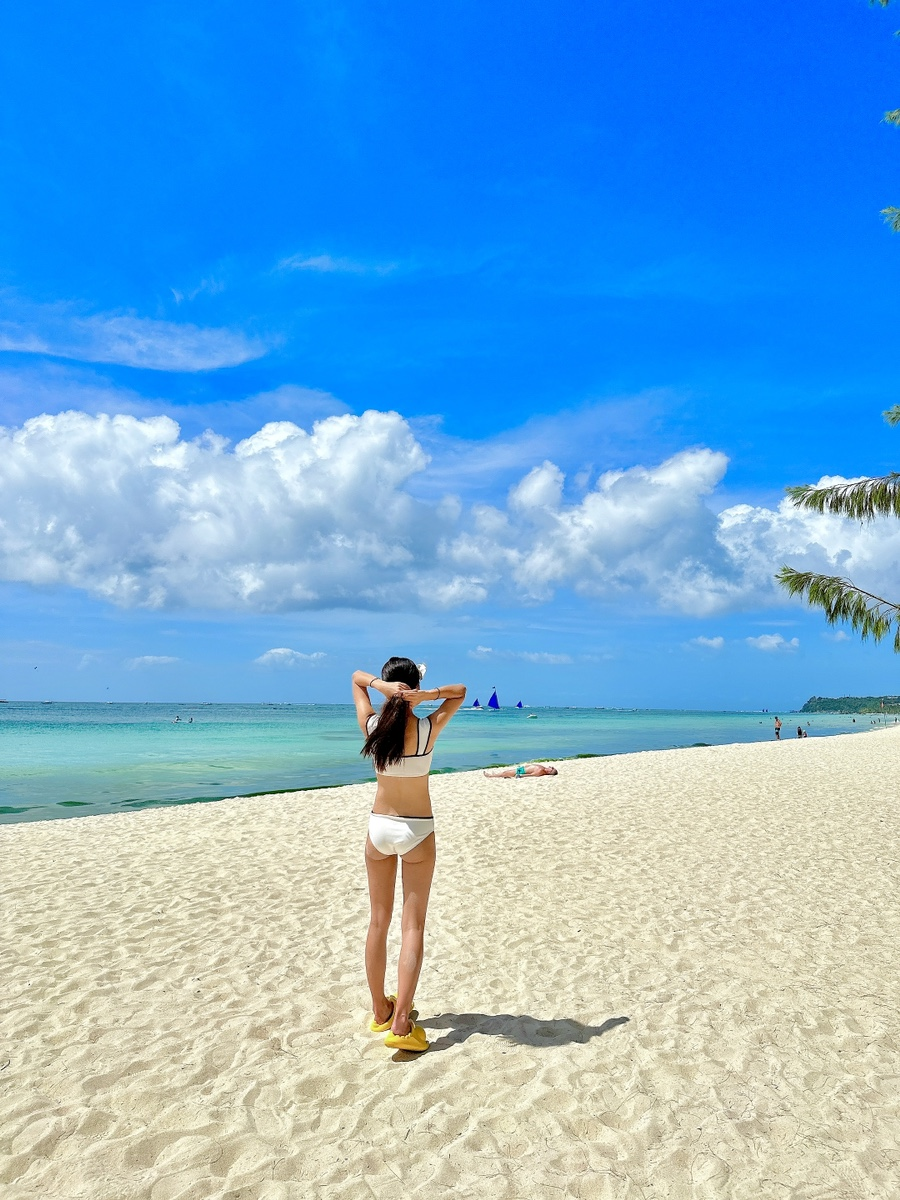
point(892, 217)
point(863, 501)
point(868, 615)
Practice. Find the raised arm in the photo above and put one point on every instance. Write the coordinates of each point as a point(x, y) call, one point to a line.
point(452, 695)
point(361, 681)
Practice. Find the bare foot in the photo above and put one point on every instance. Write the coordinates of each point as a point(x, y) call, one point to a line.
point(401, 1026)
point(383, 1011)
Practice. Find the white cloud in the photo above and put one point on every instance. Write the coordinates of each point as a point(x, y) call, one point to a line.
point(283, 657)
point(127, 340)
point(127, 509)
point(532, 656)
point(772, 643)
point(713, 643)
point(151, 660)
point(210, 286)
point(644, 530)
point(329, 265)
point(839, 635)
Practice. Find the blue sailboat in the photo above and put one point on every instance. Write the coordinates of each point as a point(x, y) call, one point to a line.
point(520, 705)
point(476, 704)
point(493, 702)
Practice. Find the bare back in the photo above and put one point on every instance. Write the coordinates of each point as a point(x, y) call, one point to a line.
point(406, 794)
point(407, 797)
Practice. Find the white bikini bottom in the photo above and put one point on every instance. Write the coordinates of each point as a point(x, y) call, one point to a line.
point(398, 835)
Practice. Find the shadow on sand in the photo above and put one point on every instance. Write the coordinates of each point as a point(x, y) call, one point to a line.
point(519, 1030)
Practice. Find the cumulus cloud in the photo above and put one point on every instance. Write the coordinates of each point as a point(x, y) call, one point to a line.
point(641, 530)
point(129, 510)
point(772, 643)
point(127, 340)
point(150, 660)
point(125, 509)
point(281, 656)
point(713, 643)
point(532, 656)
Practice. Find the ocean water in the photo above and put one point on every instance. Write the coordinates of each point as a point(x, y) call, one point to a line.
point(66, 760)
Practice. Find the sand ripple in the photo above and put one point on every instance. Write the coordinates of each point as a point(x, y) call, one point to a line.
point(669, 974)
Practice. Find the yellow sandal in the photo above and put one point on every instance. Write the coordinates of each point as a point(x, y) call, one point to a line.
point(415, 1040)
point(381, 1028)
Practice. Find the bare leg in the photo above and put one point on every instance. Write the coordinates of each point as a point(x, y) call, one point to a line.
point(418, 871)
point(500, 773)
point(382, 872)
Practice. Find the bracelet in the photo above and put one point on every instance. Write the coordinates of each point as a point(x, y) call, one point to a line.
point(372, 681)
point(437, 693)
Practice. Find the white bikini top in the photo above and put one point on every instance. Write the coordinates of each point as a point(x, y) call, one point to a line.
point(410, 766)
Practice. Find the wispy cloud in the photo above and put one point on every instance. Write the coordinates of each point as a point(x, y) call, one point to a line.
point(128, 341)
point(839, 635)
point(532, 656)
point(209, 286)
point(713, 643)
point(281, 656)
point(773, 643)
point(328, 264)
point(150, 660)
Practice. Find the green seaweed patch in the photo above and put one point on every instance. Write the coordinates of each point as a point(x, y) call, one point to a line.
point(499, 766)
point(9, 808)
point(73, 804)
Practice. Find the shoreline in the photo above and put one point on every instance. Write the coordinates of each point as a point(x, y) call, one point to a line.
point(44, 813)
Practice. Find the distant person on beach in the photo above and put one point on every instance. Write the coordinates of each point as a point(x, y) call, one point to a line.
point(529, 770)
point(778, 729)
point(800, 731)
point(401, 825)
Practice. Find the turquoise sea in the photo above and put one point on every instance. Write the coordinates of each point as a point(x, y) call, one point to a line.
point(66, 760)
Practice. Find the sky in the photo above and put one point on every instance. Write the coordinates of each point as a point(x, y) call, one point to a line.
point(490, 334)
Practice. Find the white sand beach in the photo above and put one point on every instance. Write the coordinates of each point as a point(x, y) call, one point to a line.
point(668, 974)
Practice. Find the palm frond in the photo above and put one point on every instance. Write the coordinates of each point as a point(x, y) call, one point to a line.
point(868, 615)
point(892, 415)
point(863, 501)
point(892, 217)
point(892, 117)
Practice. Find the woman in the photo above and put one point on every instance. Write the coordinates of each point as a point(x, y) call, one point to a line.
point(401, 825)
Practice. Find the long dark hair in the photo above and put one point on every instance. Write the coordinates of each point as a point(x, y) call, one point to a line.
point(384, 745)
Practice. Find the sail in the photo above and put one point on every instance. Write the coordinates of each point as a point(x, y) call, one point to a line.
point(494, 702)
point(520, 705)
point(476, 704)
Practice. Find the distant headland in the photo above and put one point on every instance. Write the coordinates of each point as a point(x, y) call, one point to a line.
point(852, 704)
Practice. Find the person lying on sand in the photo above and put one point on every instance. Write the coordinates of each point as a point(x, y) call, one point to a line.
point(527, 769)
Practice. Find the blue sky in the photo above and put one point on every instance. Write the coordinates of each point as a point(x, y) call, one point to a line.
point(571, 291)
